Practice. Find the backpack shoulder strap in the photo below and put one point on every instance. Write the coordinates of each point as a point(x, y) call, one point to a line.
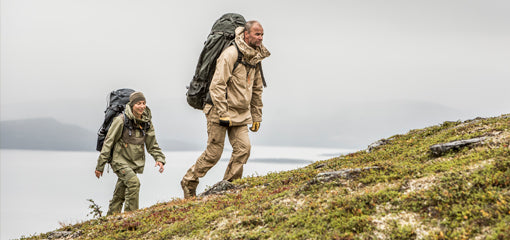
point(262, 74)
point(240, 60)
point(239, 57)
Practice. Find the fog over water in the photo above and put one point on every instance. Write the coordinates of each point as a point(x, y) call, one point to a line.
point(341, 73)
point(40, 189)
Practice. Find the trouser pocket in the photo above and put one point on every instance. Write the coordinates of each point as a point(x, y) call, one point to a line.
point(125, 174)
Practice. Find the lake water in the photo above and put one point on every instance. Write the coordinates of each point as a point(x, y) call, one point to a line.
point(42, 189)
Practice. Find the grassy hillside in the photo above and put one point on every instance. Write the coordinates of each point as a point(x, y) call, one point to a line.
point(398, 190)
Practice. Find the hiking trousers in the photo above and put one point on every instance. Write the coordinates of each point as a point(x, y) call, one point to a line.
point(126, 192)
point(238, 138)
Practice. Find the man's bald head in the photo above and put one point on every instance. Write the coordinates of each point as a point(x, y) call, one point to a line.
point(253, 33)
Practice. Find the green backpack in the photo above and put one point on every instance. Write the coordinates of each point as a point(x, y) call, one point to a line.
point(222, 35)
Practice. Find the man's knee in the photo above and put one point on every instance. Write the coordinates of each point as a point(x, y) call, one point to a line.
point(211, 155)
point(241, 147)
point(246, 147)
point(240, 140)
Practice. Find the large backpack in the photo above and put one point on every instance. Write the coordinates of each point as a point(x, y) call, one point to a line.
point(222, 35)
point(117, 101)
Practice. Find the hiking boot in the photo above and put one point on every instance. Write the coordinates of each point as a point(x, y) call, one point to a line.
point(188, 191)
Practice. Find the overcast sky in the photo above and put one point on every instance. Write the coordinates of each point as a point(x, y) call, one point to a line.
point(339, 73)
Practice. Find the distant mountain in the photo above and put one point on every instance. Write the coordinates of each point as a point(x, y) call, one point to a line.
point(45, 134)
point(50, 134)
point(341, 124)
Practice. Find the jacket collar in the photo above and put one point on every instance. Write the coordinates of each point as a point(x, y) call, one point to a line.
point(146, 115)
point(251, 56)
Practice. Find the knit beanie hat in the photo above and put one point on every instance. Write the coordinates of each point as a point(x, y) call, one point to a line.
point(136, 97)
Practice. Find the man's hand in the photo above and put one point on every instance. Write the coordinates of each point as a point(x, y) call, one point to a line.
point(98, 174)
point(161, 168)
point(255, 126)
point(225, 122)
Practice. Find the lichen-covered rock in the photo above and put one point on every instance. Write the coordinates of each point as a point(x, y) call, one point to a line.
point(377, 144)
point(345, 173)
point(440, 149)
point(218, 188)
point(64, 234)
point(331, 176)
point(320, 166)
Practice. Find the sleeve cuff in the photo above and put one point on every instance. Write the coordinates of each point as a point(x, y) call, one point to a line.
point(100, 168)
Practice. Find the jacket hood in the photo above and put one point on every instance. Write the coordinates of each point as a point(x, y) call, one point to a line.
point(146, 115)
point(251, 55)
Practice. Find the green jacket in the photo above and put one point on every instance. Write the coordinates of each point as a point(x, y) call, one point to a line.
point(128, 155)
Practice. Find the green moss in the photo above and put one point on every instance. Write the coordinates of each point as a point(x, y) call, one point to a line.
point(463, 194)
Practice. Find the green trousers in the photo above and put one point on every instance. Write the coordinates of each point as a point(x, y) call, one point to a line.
point(126, 192)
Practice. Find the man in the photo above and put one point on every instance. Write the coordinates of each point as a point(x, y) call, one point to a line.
point(237, 101)
point(124, 149)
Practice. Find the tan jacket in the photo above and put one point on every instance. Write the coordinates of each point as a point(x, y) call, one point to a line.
point(237, 93)
point(128, 155)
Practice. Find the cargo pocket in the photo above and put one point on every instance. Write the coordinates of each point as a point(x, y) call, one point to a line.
point(125, 174)
point(207, 109)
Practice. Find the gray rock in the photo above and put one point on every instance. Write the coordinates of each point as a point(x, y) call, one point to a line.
point(346, 173)
point(64, 234)
point(330, 176)
point(440, 149)
point(377, 144)
point(320, 166)
point(219, 188)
